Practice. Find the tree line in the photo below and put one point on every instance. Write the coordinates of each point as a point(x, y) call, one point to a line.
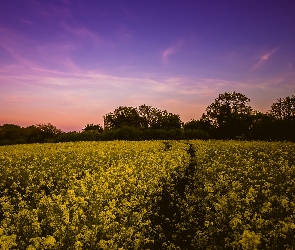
point(230, 116)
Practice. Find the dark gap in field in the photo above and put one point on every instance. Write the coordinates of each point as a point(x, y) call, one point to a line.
point(167, 211)
point(168, 145)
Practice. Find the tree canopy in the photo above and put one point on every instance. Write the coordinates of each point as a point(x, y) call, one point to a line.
point(144, 117)
point(229, 115)
point(284, 108)
point(93, 127)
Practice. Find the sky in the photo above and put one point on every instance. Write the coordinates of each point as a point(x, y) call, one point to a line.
point(70, 62)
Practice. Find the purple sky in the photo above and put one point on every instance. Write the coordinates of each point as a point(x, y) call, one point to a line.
point(70, 62)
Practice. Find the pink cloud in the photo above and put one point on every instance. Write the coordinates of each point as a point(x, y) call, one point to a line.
point(24, 50)
point(187, 87)
point(262, 59)
point(171, 50)
point(83, 32)
point(79, 31)
point(70, 96)
point(15, 45)
point(71, 100)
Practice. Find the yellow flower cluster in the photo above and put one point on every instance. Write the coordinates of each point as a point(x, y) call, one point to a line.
point(83, 195)
point(241, 196)
point(148, 195)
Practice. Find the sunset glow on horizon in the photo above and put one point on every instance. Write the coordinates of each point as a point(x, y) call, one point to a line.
point(70, 62)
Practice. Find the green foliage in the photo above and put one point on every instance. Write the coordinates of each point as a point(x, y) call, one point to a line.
point(127, 133)
point(193, 134)
point(192, 125)
point(48, 130)
point(202, 124)
point(14, 134)
point(122, 117)
point(78, 136)
point(97, 128)
point(33, 134)
point(10, 133)
point(136, 134)
point(284, 108)
point(283, 114)
point(229, 115)
point(143, 117)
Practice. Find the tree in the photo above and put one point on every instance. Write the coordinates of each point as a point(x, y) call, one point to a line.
point(229, 115)
point(284, 108)
point(33, 134)
point(48, 130)
point(143, 117)
point(10, 133)
point(262, 127)
point(93, 127)
point(283, 112)
point(192, 125)
point(200, 124)
point(149, 115)
point(122, 117)
point(167, 121)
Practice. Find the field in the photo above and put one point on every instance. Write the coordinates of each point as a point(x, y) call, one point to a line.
point(148, 195)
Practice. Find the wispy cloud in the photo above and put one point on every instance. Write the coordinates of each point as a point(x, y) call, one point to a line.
point(49, 10)
point(262, 59)
point(14, 44)
point(25, 21)
point(85, 33)
point(80, 31)
point(185, 86)
point(171, 50)
point(81, 94)
point(28, 53)
point(123, 33)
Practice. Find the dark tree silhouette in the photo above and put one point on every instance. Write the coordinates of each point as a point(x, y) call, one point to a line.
point(201, 124)
point(167, 121)
point(284, 108)
point(48, 130)
point(93, 127)
point(262, 127)
point(283, 112)
point(229, 115)
point(122, 117)
point(143, 117)
point(149, 115)
point(10, 133)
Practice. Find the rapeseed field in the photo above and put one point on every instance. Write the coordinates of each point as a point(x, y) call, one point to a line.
point(148, 195)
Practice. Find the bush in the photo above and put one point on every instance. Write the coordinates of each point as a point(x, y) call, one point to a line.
point(162, 134)
point(127, 133)
point(77, 136)
point(6, 142)
point(108, 135)
point(192, 134)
